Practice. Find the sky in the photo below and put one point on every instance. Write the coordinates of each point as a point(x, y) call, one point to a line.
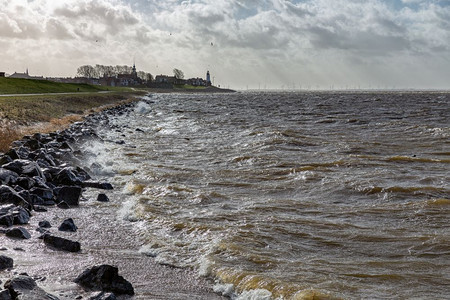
point(317, 44)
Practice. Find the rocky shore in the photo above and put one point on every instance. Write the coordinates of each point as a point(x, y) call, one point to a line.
point(42, 175)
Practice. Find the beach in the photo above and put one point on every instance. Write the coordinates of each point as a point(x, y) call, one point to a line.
point(105, 238)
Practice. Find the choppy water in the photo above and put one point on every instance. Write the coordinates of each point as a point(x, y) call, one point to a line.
point(292, 194)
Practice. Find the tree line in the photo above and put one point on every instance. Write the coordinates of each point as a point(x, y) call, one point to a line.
point(98, 71)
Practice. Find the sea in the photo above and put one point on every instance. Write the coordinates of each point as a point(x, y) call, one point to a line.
point(289, 195)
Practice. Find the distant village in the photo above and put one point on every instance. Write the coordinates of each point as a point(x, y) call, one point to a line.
point(121, 76)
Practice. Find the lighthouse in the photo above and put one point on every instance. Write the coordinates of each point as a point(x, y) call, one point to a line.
point(208, 78)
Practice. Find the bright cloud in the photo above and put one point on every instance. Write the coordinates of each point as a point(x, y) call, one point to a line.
point(272, 43)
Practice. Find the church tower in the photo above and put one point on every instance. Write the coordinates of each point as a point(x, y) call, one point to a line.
point(133, 71)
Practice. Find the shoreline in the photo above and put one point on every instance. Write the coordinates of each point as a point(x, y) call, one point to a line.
point(104, 238)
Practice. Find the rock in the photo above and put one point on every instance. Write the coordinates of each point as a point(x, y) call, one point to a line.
point(25, 182)
point(12, 153)
point(7, 220)
point(61, 243)
point(4, 159)
point(105, 278)
point(44, 224)
point(21, 215)
point(43, 193)
point(8, 176)
point(66, 177)
point(24, 167)
point(32, 144)
point(24, 287)
point(19, 233)
point(69, 194)
point(8, 195)
point(103, 296)
point(68, 225)
point(5, 295)
point(6, 262)
point(97, 185)
point(39, 208)
point(102, 198)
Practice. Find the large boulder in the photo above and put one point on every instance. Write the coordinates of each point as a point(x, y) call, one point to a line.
point(24, 287)
point(61, 243)
point(105, 278)
point(69, 194)
point(6, 262)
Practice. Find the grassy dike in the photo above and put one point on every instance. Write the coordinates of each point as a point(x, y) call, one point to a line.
point(28, 114)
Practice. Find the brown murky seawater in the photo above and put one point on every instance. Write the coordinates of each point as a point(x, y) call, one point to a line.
point(293, 195)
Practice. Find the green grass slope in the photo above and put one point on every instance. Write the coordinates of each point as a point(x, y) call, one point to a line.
point(31, 86)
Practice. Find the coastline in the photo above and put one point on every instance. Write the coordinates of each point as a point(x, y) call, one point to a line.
point(104, 239)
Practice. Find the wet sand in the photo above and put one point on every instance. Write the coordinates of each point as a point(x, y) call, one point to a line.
point(105, 239)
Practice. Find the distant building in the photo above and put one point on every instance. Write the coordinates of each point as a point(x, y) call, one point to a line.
point(25, 75)
point(2, 74)
point(208, 78)
point(196, 81)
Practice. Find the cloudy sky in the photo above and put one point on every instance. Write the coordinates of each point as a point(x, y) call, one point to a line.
point(244, 43)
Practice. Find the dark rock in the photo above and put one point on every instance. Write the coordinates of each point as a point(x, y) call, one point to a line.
point(105, 278)
point(102, 198)
point(32, 144)
point(104, 296)
point(4, 159)
point(7, 220)
point(8, 195)
point(66, 177)
point(6, 262)
point(25, 182)
point(39, 208)
point(45, 194)
point(19, 233)
point(61, 243)
point(24, 287)
point(25, 167)
point(21, 215)
point(44, 224)
point(12, 153)
point(68, 225)
point(5, 295)
point(98, 185)
point(82, 174)
point(69, 194)
point(8, 176)
point(23, 152)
